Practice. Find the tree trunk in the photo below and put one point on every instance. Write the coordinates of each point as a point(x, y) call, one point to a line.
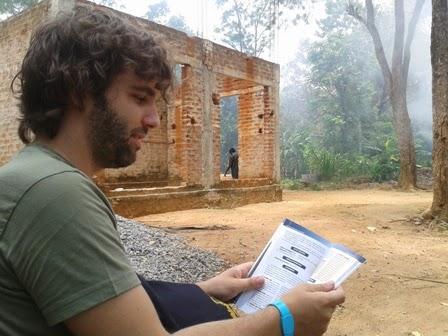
point(395, 80)
point(402, 124)
point(439, 60)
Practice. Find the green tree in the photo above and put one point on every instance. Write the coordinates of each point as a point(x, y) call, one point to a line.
point(396, 77)
point(249, 26)
point(333, 120)
point(342, 93)
point(12, 7)
point(160, 13)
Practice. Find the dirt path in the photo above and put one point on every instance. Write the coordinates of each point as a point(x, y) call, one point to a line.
point(395, 293)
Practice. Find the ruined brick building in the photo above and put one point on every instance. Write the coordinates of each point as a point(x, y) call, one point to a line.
point(179, 164)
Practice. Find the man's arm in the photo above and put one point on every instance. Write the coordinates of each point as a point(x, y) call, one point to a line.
point(133, 314)
point(130, 314)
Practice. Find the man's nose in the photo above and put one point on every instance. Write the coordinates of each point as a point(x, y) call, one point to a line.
point(151, 118)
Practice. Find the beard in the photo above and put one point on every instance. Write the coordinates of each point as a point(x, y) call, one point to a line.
point(109, 137)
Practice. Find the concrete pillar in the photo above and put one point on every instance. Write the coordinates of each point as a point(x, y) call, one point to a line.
point(276, 116)
point(210, 131)
point(208, 79)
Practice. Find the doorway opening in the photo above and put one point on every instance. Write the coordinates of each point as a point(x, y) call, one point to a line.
point(229, 130)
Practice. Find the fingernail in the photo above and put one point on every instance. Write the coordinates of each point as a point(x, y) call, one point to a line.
point(259, 280)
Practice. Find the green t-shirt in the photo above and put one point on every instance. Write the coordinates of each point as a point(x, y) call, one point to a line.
point(60, 252)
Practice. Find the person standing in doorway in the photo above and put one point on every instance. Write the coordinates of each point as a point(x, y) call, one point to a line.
point(233, 163)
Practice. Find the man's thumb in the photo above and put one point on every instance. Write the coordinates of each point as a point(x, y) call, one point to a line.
point(252, 283)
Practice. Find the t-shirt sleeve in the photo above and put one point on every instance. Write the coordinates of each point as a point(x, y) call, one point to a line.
point(65, 249)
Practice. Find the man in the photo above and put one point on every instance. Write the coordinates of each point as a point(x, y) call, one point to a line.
point(233, 163)
point(88, 86)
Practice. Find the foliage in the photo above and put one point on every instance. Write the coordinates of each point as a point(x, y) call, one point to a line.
point(342, 128)
point(249, 26)
point(380, 163)
point(292, 160)
point(423, 149)
point(160, 13)
point(12, 7)
point(342, 91)
point(322, 162)
point(290, 184)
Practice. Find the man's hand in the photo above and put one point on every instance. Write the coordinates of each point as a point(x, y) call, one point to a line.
point(232, 282)
point(312, 307)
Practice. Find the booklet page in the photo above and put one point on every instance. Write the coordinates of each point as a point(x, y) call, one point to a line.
point(296, 255)
point(336, 266)
point(290, 258)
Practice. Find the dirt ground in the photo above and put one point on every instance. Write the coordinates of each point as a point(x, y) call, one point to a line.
point(403, 288)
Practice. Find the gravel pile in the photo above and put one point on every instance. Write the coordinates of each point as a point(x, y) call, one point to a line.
point(159, 255)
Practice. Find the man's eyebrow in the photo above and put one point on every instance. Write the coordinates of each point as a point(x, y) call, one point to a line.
point(143, 88)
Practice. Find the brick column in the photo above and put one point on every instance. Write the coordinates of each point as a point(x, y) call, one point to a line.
point(176, 135)
point(251, 134)
point(275, 104)
point(269, 133)
point(192, 122)
point(208, 131)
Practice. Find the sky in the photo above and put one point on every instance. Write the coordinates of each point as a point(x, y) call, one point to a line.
point(203, 17)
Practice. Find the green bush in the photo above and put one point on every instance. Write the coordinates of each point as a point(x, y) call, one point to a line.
point(321, 162)
point(290, 184)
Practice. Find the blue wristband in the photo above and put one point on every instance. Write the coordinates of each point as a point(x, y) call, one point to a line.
point(287, 320)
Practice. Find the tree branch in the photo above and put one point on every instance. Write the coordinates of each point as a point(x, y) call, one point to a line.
point(240, 25)
point(369, 23)
point(409, 38)
point(397, 54)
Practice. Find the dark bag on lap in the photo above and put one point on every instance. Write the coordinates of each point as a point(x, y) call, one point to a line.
point(183, 305)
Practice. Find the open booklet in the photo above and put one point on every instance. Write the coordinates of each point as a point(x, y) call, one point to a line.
point(296, 255)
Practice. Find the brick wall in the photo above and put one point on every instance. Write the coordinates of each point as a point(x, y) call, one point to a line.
point(269, 132)
point(192, 95)
point(250, 134)
point(15, 34)
point(187, 145)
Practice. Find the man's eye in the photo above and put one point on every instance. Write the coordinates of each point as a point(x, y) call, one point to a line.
point(140, 99)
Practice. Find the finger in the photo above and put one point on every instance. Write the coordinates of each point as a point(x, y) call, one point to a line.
point(250, 283)
point(257, 282)
point(324, 287)
point(244, 269)
point(336, 296)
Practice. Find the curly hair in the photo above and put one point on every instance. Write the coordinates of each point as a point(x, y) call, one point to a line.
point(78, 55)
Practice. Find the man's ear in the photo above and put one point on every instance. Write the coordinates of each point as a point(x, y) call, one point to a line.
point(80, 102)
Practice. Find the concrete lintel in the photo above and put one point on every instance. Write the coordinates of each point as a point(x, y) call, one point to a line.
point(185, 59)
point(242, 91)
point(243, 75)
point(225, 71)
